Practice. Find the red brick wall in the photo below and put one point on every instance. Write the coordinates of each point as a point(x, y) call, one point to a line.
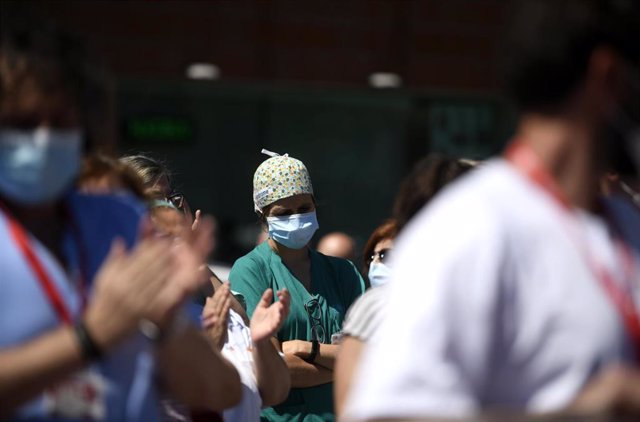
point(430, 43)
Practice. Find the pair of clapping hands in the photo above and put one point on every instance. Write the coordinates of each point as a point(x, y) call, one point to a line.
point(148, 283)
point(266, 320)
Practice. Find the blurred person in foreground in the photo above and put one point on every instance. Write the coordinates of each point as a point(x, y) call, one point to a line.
point(427, 177)
point(524, 286)
point(247, 345)
point(338, 244)
point(365, 316)
point(322, 287)
point(77, 283)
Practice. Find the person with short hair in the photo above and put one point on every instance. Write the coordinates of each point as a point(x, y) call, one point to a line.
point(322, 288)
point(517, 291)
point(103, 174)
point(246, 344)
point(338, 244)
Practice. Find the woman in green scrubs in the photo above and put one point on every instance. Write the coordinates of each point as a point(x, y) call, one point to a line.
point(322, 288)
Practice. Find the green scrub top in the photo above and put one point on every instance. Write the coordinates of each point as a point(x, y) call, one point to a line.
point(335, 284)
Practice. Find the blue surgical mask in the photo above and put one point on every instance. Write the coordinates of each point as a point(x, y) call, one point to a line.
point(37, 166)
point(293, 231)
point(379, 274)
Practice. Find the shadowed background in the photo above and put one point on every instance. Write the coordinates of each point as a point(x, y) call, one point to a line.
point(294, 77)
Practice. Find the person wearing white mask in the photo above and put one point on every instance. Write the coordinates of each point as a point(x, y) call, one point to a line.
point(90, 315)
point(377, 252)
point(366, 313)
point(322, 288)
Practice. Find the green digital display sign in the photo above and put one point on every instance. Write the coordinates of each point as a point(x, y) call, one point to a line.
point(159, 129)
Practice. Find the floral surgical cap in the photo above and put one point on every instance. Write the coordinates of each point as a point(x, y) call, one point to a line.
point(279, 177)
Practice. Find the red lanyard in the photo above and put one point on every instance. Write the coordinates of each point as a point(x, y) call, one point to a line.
point(21, 238)
point(526, 160)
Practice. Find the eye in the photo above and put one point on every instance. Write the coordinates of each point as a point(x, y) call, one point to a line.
point(281, 213)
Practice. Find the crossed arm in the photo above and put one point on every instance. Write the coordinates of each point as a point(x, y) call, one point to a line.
point(303, 373)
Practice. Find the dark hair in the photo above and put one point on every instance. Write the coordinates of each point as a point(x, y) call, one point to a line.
point(549, 43)
point(426, 179)
point(149, 169)
point(40, 63)
point(387, 230)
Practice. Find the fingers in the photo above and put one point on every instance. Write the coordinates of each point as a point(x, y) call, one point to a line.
point(117, 250)
point(196, 221)
point(202, 238)
point(266, 298)
point(225, 309)
point(149, 266)
point(146, 229)
point(285, 298)
point(214, 305)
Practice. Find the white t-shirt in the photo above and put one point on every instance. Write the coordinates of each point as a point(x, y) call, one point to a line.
point(503, 309)
point(237, 349)
point(364, 317)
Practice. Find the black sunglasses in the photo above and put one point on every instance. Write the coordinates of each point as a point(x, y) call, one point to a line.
point(383, 255)
point(177, 199)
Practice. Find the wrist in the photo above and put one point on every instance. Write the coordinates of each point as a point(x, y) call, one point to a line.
point(89, 348)
point(260, 343)
point(103, 331)
point(161, 334)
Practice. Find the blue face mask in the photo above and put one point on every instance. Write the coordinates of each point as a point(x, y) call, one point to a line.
point(37, 166)
point(379, 274)
point(293, 231)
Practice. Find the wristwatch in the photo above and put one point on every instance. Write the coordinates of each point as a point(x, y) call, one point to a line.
point(315, 348)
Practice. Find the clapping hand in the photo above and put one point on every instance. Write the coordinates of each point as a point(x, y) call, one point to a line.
point(149, 282)
point(215, 315)
point(268, 317)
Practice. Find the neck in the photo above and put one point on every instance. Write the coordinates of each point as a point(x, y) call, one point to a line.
point(288, 255)
point(569, 152)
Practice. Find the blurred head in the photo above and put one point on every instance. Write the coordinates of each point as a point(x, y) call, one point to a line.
point(283, 198)
point(580, 57)
point(157, 181)
point(102, 174)
point(54, 103)
point(426, 179)
point(377, 251)
point(167, 220)
point(338, 244)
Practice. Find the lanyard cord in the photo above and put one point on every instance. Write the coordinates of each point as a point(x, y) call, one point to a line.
point(21, 239)
point(523, 158)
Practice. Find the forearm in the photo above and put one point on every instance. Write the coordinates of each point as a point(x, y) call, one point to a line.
point(26, 370)
point(346, 364)
point(196, 374)
point(305, 374)
point(272, 373)
point(327, 355)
